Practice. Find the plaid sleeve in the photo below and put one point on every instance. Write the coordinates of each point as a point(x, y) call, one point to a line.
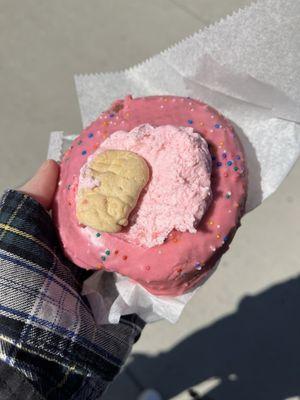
point(47, 331)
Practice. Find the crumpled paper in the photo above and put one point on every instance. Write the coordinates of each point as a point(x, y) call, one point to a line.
point(248, 67)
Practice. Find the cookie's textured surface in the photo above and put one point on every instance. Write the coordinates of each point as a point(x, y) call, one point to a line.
point(111, 183)
point(185, 259)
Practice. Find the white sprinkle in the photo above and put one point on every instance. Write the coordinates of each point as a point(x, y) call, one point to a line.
point(161, 106)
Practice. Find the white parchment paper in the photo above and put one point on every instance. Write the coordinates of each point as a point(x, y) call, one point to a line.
point(248, 67)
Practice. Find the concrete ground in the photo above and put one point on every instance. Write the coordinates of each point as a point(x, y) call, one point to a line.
point(239, 336)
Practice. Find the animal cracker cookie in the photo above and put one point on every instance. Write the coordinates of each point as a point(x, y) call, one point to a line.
point(115, 179)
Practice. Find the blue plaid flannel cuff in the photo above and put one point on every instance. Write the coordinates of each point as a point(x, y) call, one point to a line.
point(47, 330)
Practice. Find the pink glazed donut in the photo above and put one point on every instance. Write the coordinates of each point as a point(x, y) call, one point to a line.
point(184, 259)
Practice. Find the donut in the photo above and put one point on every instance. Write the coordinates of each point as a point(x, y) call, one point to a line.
point(177, 232)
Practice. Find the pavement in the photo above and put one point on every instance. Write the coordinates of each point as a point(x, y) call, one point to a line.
point(239, 336)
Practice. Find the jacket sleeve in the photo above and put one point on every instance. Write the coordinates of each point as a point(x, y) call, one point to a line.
point(48, 338)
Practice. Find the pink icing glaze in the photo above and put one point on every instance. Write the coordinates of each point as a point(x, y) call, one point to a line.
point(178, 192)
point(184, 259)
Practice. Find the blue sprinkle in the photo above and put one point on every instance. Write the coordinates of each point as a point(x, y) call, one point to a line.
point(238, 157)
point(213, 158)
point(224, 155)
point(225, 238)
point(218, 126)
point(198, 266)
point(190, 121)
point(98, 234)
point(219, 164)
point(83, 152)
point(111, 115)
point(103, 258)
point(229, 163)
point(90, 135)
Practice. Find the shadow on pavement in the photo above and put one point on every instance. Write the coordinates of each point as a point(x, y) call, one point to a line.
point(255, 352)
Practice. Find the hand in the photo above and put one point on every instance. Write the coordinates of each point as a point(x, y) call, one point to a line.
point(43, 184)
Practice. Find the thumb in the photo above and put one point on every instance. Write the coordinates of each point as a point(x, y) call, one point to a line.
point(42, 185)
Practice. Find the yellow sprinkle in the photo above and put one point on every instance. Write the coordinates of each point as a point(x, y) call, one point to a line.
point(210, 222)
point(218, 236)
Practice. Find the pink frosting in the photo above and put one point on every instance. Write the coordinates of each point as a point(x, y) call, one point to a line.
point(178, 192)
point(185, 259)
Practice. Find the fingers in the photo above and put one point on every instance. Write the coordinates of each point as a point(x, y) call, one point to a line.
point(43, 184)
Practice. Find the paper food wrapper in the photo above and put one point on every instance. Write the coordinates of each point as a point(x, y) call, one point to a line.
point(247, 66)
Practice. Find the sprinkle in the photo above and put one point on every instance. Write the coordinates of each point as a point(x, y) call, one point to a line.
point(212, 116)
point(224, 155)
point(98, 234)
point(237, 157)
point(218, 226)
point(225, 238)
point(214, 158)
point(165, 99)
point(210, 223)
point(217, 126)
point(103, 258)
point(111, 115)
point(190, 103)
point(79, 142)
point(116, 252)
point(228, 195)
point(147, 267)
point(83, 152)
point(230, 211)
point(69, 187)
point(124, 258)
point(107, 252)
point(236, 168)
point(229, 163)
point(198, 266)
point(218, 236)
point(219, 164)
point(190, 121)
point(212, 248)
point(211, 131)
point(161, 106)
point(192, 109)
point(236, 204)
point(201, 123)
point(179, 270)
point(105, 123)
point(90, 135)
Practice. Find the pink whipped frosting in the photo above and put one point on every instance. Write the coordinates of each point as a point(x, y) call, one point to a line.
point(185, 259)
point(178, 192)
